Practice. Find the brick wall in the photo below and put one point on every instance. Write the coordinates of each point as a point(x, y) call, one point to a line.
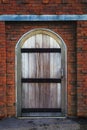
point(3, 101)
point(82, 68)
point(43, 7)
point(73, 33)
point(67, 30)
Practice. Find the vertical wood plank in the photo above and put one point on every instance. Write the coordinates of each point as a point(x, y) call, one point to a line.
point(59, 95)
point(32, 71)
point(24, 75)
point(46, 71)
point(54, 63)
point(57, 73)
point(39, 71)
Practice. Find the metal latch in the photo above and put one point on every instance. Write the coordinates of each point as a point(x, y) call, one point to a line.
point(62, 73)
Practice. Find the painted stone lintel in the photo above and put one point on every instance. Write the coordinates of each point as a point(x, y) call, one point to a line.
point(43, 17)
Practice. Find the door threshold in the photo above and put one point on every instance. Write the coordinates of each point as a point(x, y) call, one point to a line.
point(41, 117)
point(42, 114)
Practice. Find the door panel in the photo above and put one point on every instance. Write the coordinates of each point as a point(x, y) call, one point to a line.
point(41, 97)
point(41, 65)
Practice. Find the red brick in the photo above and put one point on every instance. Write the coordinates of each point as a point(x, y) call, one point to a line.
point(5, 1)
point(45, 1)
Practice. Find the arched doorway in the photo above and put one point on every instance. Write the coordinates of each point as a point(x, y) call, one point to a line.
point(41, 74)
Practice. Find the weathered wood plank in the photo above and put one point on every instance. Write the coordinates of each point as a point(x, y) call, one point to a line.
point(32, 71)
point(55, 66)
point(58, 95)
point(25, 95)
point(38, 44)
point(24, 75)
point(41, 65)
point(46, 71)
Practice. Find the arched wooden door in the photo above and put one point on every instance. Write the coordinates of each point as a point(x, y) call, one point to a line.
point(41, 76)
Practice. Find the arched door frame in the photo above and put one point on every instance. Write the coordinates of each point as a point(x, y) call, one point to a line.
point(18, 66)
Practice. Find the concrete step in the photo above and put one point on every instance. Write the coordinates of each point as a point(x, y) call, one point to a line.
point(41, 124)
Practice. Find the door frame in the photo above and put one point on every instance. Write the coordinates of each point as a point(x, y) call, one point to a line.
point(63, 66)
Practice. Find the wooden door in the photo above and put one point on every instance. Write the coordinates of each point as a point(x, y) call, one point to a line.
point(41, 74)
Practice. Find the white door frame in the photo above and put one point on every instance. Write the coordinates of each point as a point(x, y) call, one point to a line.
point(63, 65)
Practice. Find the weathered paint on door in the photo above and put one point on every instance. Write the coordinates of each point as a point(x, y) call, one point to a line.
point(41, 65)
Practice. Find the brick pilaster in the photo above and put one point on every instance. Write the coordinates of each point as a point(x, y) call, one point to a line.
point(2, 71)
point(82, 68)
